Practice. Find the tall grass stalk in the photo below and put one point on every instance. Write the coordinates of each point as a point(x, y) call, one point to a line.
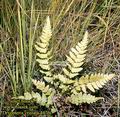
point(22, 64)
point(33, 25)
point(19, 61)
point(10, 73)
point(26, 48)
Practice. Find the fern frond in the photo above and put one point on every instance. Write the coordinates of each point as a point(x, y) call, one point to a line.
point(82, 98)
point(43, 99)
point(43, 54)
point(63, 79)
point(41, 86)
point(27, 96)
point(92, 82)
point(76, 57)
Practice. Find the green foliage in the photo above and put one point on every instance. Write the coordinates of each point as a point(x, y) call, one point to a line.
point(83, 98)
point(76, 57)
point(68, 83)
point(44, 54)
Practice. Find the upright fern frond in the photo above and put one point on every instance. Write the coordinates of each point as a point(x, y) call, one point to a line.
point(76, 57)
point(92, 82)
point(43, 54)
point(82, 98)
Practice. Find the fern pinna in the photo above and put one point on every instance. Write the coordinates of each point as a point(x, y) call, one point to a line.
point(67, 83)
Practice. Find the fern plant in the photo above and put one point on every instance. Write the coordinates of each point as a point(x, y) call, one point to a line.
point(70, 83)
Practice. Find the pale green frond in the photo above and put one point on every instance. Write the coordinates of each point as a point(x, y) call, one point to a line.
point(43, 99)
point(94, 81)
point(76, 58)
point(63, 79)
point(42, 87)
point(27, 96)
point(82, 98)
point(40, 99)
point(46, 33)
point(39, 84)
point(42, 46)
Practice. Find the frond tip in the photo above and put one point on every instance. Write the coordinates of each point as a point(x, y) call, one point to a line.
point(92, 82)
point(42, 46)
point(76, 58)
